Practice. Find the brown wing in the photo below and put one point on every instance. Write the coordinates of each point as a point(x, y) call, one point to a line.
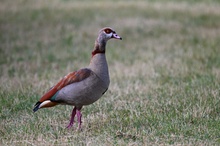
point(72, 77)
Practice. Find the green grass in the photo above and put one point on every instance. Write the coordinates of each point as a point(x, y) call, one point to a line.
point(165, 73)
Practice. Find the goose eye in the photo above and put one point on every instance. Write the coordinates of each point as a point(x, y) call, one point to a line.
point(107, 31)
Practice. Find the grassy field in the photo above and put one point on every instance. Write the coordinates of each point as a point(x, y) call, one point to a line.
point(165, 73)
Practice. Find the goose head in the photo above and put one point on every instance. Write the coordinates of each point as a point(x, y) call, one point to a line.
point(105, 34)
point(108, 33)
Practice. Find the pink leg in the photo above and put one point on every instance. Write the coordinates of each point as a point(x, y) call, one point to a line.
point(72, 118)
point(79, 116)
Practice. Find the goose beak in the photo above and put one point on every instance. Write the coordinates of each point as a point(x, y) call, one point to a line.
point(115, 36)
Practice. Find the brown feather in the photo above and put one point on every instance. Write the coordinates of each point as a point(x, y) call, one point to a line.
point(72, 77)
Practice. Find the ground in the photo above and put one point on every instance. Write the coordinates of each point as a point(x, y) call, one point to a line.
point(165, 73)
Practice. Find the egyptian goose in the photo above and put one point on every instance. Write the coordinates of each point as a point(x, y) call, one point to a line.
point(84, 86)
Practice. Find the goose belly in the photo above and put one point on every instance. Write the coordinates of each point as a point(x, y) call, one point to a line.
point(82, 93)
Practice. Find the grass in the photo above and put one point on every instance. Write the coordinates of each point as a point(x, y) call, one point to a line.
point(165, 74)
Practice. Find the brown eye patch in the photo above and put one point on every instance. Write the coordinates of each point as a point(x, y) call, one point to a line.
point(107, 30)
